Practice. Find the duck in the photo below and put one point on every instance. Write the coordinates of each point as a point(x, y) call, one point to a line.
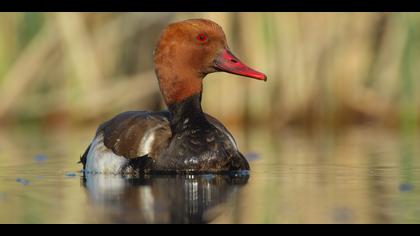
point(181, 139)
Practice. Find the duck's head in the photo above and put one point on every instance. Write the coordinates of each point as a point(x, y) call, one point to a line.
point(189, 50)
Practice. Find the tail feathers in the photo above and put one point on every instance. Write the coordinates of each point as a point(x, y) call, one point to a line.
point(83, 158)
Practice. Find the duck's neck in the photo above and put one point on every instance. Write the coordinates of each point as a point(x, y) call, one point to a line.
point(181, 86)
point(185, 112)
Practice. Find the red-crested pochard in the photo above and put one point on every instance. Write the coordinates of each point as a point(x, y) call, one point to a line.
point(183, 139)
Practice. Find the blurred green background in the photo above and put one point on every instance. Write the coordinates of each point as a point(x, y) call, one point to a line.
point(324, 69)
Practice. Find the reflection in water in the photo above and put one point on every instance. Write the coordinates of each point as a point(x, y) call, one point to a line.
point(161, 199)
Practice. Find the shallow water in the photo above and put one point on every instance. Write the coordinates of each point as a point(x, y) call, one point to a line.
point(357, 176)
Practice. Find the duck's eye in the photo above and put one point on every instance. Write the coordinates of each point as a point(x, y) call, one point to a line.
point(202, 38)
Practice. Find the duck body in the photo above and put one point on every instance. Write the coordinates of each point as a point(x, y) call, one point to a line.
point(184, 138)
point(157, 142)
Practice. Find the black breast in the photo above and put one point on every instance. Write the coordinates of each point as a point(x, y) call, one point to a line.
point(201, 144)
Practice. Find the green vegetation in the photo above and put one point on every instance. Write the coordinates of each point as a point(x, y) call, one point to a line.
point(325, 69)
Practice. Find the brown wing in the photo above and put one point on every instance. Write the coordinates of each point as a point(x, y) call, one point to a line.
point(125, 133)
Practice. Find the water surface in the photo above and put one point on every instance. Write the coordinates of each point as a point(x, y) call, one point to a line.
point(359, 175)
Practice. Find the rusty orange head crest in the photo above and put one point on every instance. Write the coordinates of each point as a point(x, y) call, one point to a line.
point(189, 50)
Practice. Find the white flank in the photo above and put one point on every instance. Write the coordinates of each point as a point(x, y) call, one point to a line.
point(102, 160)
